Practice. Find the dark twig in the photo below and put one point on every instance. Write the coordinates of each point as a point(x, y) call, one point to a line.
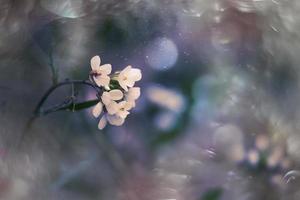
point(67, 82)
point(65, 105)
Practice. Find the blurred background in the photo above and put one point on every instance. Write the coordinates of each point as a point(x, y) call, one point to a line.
point(218, 118)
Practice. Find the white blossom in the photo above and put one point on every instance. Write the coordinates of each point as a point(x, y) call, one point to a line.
point(112, 95)
point(114, 104)
point(112, 119)
point(128, 77)
point(132, 95)
point(100, 72)
point(117, 117)
point(123, 109)
point(109, 98)
point(115, 120)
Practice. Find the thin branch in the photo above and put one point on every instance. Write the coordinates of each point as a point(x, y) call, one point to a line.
point(54, 69)
point(61, 106)
point(67, 82)
point(70, 106)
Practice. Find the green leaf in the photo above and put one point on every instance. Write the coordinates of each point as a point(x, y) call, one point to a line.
point(114, 84)
point(81, 105)
point(212, 194)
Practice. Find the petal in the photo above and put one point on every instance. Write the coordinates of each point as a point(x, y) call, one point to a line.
point(123, 84)
point(122, 104)
point(129, 105)
point(102, 80)
point(102, 123)
point(105, 69)
point(130, 82)
point(97, 109)
point(126, 70)
point(115, 120)
point(135, 74)
point(107, 87)
point(125, 105)
point(112, 108)
point(134, 93)
point(123, 114)
point(116, 94)
point(105, 98)
point(95, 62)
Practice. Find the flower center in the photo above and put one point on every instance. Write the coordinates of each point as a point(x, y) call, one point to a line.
point(95, 73)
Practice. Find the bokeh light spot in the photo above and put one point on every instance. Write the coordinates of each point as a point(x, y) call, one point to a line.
point(162, 54)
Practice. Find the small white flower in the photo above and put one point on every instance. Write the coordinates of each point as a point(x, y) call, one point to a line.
point(115, 120)
point(113, 95)
point(109, 98)
point(100, 72)
point(117, 117)
point(128, 77)
point(114, 104)
point(132, 95)
point(112, 119)
point(112, 107)
point(123, 108)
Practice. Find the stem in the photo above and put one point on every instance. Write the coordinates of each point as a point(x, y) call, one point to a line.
point(54, 69)
point(37, 110)
point(67, 82)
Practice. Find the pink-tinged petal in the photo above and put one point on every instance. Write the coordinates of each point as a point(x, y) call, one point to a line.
point(122, 104)
point(123, 114)
point(102, 123)
point(105, 69)
point(129, 105)
point(134, 93)
point(115, 120)
point(126, 70)
point(130, 83)
point(123, 84)
point(112, 108)
point(132, 104)
point(102, 80)
point(135, 74)
point(97, 109)
point(95, 62)
point(116, 94)
point(105, 98)
point(122, 75)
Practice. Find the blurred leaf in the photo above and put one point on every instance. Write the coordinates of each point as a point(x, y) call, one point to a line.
point(81, 105)
point(70, 106)
point(212, 194)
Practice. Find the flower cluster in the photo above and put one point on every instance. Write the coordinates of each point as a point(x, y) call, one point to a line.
point(118, 95)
